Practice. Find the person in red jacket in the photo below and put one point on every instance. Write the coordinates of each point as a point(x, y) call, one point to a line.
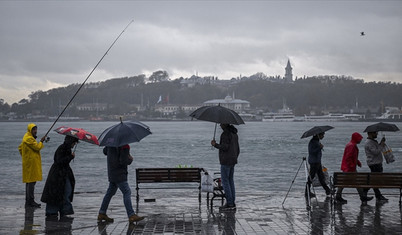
point(349, 162)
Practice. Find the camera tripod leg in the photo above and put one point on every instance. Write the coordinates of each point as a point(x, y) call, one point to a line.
point(293, 180)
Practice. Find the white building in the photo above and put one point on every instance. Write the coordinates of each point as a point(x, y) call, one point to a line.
point(92, 107)
point(230, 103)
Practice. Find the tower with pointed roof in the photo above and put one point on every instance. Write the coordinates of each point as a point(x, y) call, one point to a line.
point(288, 73)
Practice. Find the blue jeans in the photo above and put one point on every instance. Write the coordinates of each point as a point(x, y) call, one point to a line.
point(111, 191)
point(66, 208)
point(227, 172)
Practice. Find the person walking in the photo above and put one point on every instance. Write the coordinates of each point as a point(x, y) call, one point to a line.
point(29, 150)
point(118, 158)
point(314, 159)
point(373, 151)
point(349, 162)
point(60, 183)
point(229, 151)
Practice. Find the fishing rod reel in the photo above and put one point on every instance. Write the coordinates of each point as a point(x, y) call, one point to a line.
point(47, 139)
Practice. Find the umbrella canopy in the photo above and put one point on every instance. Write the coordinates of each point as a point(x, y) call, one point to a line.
point(124, 133)
point(381, 126)
point(78, 133)
point(217, 114)
point(316, 130)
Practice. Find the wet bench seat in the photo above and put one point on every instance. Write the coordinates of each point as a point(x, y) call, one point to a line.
point(176, 178)
point(367, 180)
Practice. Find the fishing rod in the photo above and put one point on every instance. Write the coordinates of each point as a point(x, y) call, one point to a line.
point(72, 98)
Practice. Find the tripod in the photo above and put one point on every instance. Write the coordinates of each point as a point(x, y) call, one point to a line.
point(308, 178)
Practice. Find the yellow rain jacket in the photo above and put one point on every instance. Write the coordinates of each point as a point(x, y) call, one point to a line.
point(31, 159)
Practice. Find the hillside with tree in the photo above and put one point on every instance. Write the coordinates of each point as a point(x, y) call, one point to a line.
point(139, 94)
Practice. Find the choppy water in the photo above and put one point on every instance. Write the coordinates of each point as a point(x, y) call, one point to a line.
point(271, 153)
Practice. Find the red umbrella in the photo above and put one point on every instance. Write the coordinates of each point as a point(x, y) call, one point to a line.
point(78, 133)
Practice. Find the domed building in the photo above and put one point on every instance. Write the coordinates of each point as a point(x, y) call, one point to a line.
point(230, 103)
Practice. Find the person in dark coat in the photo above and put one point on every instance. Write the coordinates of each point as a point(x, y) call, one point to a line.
point(314, 159)
point(229, 151)
point(59, 188)
point(118, 158)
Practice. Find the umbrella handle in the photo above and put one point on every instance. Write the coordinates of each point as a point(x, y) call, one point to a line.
point(75, 147)
point(215, 130)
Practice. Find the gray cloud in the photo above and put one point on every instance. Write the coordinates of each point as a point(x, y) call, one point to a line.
point(45, 44)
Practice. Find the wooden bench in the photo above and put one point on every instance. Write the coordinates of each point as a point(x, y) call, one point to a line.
point(367, 180)
point(180, 176)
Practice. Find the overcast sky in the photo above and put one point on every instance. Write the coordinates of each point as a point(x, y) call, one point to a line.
point(48, 44)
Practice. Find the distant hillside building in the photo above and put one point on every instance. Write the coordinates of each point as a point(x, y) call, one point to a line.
point(229, 102)
point(288, 73)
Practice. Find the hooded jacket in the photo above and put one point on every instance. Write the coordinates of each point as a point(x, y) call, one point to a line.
point(228, 146)
point(314, 150)
point(31, 159)
point(117, 162)
point(373, 152)
point(53, 192)
point(350, 155)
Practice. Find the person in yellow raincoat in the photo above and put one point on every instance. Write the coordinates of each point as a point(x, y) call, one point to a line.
point(31, 163)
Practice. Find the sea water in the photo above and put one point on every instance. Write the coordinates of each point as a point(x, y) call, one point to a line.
point(271, 153)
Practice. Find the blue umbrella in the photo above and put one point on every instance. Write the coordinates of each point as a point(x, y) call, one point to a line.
point(124, 133)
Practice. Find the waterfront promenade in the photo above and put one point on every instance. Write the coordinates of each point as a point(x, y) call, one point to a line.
point(173, 213)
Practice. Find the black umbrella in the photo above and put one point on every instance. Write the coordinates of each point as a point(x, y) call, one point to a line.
point(124, 133)
point(381, 126)
point(316, 130)
point(217, 114)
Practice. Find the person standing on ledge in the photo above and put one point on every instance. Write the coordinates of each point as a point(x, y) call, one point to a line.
point(229, 151)
point(31, 163)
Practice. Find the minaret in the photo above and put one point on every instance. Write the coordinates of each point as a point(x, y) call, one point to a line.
point(288, 73)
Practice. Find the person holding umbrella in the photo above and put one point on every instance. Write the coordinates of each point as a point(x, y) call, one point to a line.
point(59, 188)
point(314, 159)
point(373, 151)
point(116, 139)
point(229, 151)
point(118, 158)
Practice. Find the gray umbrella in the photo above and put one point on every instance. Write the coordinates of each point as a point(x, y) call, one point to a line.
point(217, 114)
point(124, 133)
point(381, 126)
point(316, 130)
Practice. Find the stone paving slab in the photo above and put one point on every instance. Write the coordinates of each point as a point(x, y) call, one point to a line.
point(172, 213)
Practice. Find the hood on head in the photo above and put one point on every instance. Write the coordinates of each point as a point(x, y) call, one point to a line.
point(232, 129)
point(30, 127)
point(356, 137)
point(69, 140)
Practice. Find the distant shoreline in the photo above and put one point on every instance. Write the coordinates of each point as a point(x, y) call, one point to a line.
point(189, 120)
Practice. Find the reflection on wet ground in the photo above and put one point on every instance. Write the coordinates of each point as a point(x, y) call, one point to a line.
point(172, 213)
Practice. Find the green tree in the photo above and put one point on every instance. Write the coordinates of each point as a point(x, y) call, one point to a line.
point(159, 76)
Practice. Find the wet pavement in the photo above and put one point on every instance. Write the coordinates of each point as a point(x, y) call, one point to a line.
point(174, 213)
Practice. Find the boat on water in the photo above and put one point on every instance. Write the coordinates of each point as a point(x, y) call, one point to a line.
point(334, 117)
point(283, 115)
point(391, 114)
point(278, 117)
